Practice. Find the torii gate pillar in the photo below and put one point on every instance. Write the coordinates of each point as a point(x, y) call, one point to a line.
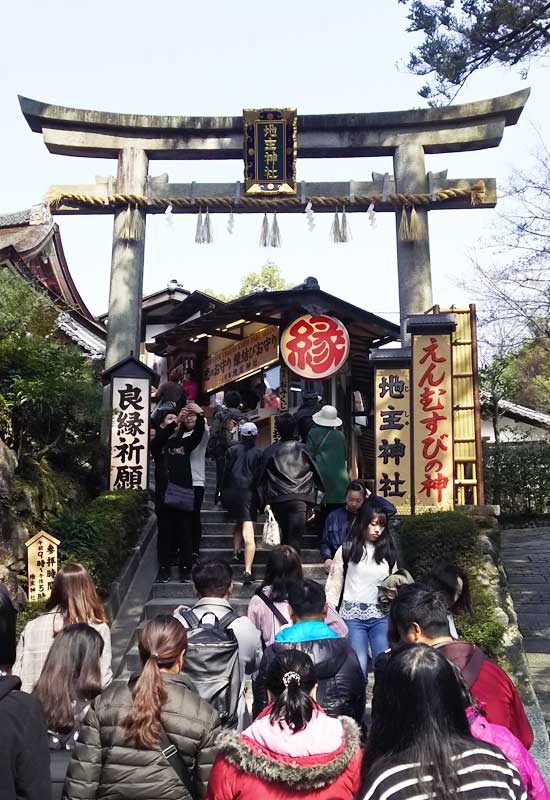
point(413, 258)
point(127, 262)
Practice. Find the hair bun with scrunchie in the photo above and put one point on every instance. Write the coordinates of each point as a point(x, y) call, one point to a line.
point(291, 677)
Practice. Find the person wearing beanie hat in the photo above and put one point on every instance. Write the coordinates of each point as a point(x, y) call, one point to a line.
point(327, 446)
point(242, 463)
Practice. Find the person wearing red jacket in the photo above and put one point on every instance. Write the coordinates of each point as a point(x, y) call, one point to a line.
point(419, 616)
point(292, 749)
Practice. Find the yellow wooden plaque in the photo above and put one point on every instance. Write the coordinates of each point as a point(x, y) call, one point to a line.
point(41, 564)
point(393, 436)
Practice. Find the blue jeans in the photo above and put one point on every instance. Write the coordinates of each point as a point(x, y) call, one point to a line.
point(365, 632)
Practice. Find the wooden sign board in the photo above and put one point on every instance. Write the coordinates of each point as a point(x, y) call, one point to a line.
point(393, 436)
point(129, 462)
point(269, 150)
point(432, 410)
point(41, 564)
point(241, 359)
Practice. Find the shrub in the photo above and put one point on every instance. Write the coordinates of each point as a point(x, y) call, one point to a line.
point(450, 537)
point(28, 612)
point(517, 476)
point(101, 535)
point(445, 536)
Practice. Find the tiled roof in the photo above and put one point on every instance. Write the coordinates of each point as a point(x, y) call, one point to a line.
point(83, 337)
point(508, 409)
point(15, 218)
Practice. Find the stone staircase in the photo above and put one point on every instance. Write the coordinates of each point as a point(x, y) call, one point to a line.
point(217, 542)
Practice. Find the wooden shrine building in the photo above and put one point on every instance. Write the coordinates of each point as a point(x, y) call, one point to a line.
point(237, 345)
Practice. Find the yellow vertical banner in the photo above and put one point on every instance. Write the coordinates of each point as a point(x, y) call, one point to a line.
point(393, 435)
point(432, 412)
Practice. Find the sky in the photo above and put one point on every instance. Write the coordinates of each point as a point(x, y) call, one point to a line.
point(216, 58)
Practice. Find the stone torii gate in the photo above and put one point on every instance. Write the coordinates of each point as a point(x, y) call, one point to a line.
point(135, 140)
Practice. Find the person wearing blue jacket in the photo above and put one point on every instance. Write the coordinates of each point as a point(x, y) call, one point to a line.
point(340, 680)
point(339, 522)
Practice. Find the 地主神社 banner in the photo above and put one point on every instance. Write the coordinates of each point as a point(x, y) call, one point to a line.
point(269, 150)
point(129, 463)
point(393, 436)
point(238, 360)
point(432, 409)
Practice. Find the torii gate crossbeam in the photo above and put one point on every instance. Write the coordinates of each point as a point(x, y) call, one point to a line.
point(135, 139)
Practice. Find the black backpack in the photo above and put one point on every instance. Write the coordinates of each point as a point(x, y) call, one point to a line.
point(211, 662)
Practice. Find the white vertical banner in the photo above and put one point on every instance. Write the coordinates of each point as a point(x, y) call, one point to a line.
point(129, 462)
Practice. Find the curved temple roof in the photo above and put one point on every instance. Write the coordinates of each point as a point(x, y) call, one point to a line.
point(81, 132)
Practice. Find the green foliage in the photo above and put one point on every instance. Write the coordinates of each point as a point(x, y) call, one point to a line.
point(45, 492)
point(464, 36)
point(28, 612)
point(101, 535)
point(268, 276)
point(47, 386)
point(5, 421)
point(521, 376)
point(482, 628)
point(450, 537)
point(443, 537)
point(518, 475)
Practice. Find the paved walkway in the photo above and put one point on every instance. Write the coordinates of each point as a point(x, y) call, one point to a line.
point(526, 557)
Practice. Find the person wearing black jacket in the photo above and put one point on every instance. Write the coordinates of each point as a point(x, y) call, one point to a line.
point(171, 449)
point(238, 494)
point(288, 482)
point(24, 754)
point(340, 680)
point(303, 415)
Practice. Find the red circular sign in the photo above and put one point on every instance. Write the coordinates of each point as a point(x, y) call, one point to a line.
point(315, 347)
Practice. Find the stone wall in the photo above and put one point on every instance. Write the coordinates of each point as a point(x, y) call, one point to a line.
point(25, 507)
point(493, 576)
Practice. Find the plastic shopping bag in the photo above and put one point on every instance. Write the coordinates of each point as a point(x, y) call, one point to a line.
point(271, 534)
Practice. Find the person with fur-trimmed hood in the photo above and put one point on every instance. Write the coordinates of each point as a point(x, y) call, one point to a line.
point(292, 749)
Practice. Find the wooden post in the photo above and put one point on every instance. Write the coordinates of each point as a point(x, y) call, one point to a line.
point(126, 290)
point(477, 409)
point(413, 258)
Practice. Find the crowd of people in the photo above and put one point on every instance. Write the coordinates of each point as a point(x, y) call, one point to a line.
point(445, 720)
point(271, 704)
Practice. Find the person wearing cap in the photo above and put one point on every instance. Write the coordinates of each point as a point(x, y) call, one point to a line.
point(327, 446)
point(242, 463)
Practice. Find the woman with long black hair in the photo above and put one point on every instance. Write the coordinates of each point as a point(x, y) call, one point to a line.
point(149, 737)
point(419, 742)
point(292, 749)
point(268, 608)
point(359, 566)
point(70, 680)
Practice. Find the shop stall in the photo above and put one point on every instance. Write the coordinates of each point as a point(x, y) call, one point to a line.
point(276, 348)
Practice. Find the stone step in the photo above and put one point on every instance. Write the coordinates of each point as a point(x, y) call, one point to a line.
point(173, 587)
point(166, 605)
point(217, 514)
point(225, 539)
point(308, 556)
